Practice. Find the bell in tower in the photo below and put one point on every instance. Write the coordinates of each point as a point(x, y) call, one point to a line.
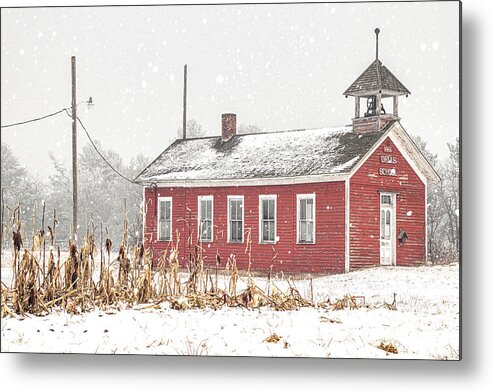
point(371, 106)
point(375, 84)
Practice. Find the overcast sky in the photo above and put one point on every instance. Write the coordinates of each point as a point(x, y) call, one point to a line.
point(277, 66)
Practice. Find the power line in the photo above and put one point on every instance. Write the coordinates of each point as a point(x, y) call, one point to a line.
point(87, 133)
point(101, 155)
point(34, 119)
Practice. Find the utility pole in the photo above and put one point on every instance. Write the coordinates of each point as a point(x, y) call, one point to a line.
point(74, 156)
point(185, 102)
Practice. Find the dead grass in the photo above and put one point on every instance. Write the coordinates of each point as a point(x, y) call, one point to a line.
point(388, 347)
point(349, 301)
point(273, 338)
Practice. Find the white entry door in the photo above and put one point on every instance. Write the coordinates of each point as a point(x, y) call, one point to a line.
point(387, 229)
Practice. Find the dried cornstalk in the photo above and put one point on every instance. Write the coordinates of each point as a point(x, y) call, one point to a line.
point(71, 286)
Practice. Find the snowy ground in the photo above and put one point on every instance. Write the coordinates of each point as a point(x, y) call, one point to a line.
point(425, 324)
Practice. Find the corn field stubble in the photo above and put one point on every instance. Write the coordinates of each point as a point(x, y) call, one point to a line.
point(43, 281)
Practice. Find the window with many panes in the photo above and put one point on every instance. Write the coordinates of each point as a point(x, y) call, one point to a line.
point(386, 199)
point(235, 218)
point(386, 203)
point(205, 218)
point(267, 212)
point(164, 218)
point(306, 219)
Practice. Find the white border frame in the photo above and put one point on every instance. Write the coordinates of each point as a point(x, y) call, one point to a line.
point(298, 198)
point(260, 199)
point(170, 199)
point(242, 198)
point(205, 198)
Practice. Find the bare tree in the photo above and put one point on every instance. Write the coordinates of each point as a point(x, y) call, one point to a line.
point(101, 193)
point(249, 128)
point(451, 198)
point(443, 204)
point(435, 221)
point(194, 130)
point(19, 188)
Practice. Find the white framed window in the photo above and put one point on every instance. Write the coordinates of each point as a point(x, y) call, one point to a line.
point(236, 221)
point(267, 219)
point(305, 219)
point(164, 222)
point(386, 199)
point(206, 218)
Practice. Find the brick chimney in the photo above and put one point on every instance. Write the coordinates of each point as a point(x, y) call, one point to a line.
point(228, 125)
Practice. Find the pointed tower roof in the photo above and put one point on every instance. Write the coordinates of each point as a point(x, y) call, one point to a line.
point(376, 79)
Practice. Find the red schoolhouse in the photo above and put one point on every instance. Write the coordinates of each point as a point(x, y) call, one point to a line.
point(326, 200)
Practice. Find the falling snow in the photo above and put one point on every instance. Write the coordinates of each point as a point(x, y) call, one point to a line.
point(219, 79)
point(278, 66)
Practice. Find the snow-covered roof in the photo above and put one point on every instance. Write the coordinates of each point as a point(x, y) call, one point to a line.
point(295, 153)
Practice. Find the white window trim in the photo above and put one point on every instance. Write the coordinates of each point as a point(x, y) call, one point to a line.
point(260, 226)
point(159, 200)
point(199, 200)
point(242, 198)
point(298, 198)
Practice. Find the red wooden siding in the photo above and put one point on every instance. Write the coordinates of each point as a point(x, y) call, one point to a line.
point(326, 255)
point(365, 184)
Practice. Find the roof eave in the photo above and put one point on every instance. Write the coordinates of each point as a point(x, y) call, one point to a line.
point(137, 179)
point(368, 93)
point(307, 179)
point(425, 166)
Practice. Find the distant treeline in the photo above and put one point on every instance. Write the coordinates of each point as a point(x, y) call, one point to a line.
point(102, 195)
point(443, 204)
